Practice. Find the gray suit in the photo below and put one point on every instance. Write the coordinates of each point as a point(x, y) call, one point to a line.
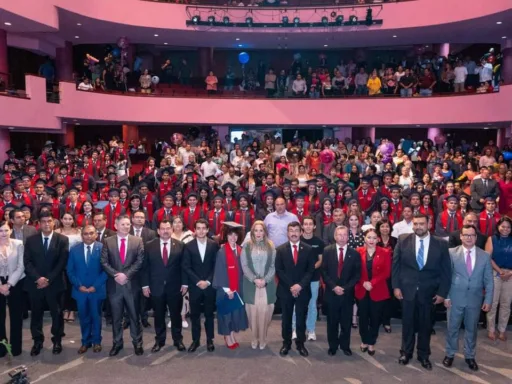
point(466, 295)
point(26, 232)
point(124, 297)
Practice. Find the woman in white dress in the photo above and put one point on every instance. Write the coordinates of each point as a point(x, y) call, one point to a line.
point(68, 228)
point(121, 166)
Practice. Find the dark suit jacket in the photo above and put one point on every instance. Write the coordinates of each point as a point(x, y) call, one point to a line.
point(155, 275)
point(350, 274)
point(328, 233)
point(27, 230)
point(146, 234)
point(435, 277)
point(290, 274)
point(478, 191)
point(111, 262)
point(454, 240)
point(106, 234)
point(194, 269)
point(50, 266)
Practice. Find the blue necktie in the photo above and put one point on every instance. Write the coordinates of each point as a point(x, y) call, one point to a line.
point(45, 246)
point(419, 257)
point(88, 255)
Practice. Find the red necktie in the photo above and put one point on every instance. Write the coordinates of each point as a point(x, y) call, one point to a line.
point(340, 263)
point(489, 225)
point(243, 218)
point(165, 255)
point(295, 255)
point(122, 251)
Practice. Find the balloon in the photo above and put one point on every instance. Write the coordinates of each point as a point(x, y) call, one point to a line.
point(155, 80)
point(507, 156)
point(243, 57)
point(123, 42)
point(116, 52)
point(137, 64)
point(177, 138)
point(387, 149)
point(297, 56)
point(326, 156)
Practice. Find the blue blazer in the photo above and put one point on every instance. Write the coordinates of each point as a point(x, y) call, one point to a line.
point(91, 274)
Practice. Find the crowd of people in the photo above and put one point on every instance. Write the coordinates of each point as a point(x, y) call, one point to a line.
point(239, 228)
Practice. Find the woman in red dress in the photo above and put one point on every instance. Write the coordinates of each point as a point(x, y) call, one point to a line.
point(505, 204)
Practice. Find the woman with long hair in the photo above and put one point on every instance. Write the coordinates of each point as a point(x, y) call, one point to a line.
point(259, 286)
point(388, 242)
point(371, 291)
point(68, 228)
point(228, 282)
point(12, 274)
point(505, 186)
point(86, 213)
point(499, 247)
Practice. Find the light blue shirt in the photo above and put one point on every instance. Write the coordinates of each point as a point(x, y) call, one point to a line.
point(277, 226)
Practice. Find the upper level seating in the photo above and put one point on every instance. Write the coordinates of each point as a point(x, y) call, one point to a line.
point(278, 3)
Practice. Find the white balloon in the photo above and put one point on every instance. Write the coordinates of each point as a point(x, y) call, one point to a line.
point(155, 80)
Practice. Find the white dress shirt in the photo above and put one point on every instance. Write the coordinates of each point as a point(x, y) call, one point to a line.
point(168, 242)
point(49, 238)
point(297, 244)
point(426, 245)
point(400, 228)
point(125, 244)
point(202, 252)
point(472, 253)
point(135, 231)
point(345, 247)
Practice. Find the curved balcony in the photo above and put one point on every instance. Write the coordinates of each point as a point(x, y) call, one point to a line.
point(89, 107)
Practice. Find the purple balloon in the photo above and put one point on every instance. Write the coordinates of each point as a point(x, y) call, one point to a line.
point(123, 42)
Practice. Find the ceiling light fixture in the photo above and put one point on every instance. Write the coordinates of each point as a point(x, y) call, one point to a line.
point(296, 20)
point(77, 37)
point(499, 22)
point(394, 35)
point(165, 43)
point(237, 39)
point(196, 19)
point(249, 21)
point(156, 34)
point(7, 23)
point(325, 45)
point(225, 20)
point(339, 20)
point(285, 19)
point(352, 20)
point(79, 24)
point(211, 19)
point(503, 37)
point(240, 45)
point(325, 20)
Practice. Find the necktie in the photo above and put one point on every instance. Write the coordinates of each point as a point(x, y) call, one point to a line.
point(45, 245)
point(488, 225)
point(364, 192)
point(39, 197)
point(295, 254)
point(469, 267)
point(73, 207)
point(137, 232)
point(217, 214)
point(165, 255)
point(99, 235)
point(450, 223)
point(420, 257)
point(300, 212)
point(167, 214)
point(234, 252)
point(340, 263)
point(122, 251)
point(88, 255)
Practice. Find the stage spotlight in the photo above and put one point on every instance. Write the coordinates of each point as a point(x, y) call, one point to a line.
point(353, 20)
point(196, 19)
point(285, 20)
point(225, 20)
point(325, 20)
point(249, 21)
point(296, 20)
point(339, 20)
point(211, 19)
point(369, 17)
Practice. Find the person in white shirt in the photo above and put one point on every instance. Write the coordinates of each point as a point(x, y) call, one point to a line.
point(404, 226)
point(85, 85)
point(209, 168)
point(299, 86)
point(461, 74)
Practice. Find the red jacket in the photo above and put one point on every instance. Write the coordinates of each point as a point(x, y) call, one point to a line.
point(381, 271)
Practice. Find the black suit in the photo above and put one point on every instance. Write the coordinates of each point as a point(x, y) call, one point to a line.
point(454, 239)
point(290, 274)
point(194, 270)
point(106, 234)
point(124, 297)
point(50, 264)
point(419, 288)
point(106, 304)
point(339, 308)
point(164, 282)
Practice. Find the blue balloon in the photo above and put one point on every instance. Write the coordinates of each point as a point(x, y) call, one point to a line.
point(137, 64)
point(507, 156)
point(116, 52)
point(243, 57)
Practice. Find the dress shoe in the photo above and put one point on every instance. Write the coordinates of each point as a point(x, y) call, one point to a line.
point(126, 325)
point(472, 364)
point(115, 350)
point(146, 324)
point(209, 346)
point(364, 349)
point(284, 350)
point(83, 349)
point(347, 352)
point(425, 363)
point(448, 361)
point(193, 346)
point(331, 352)
point(302, 350)
point(36, 349)
point(96, 348)
point(139, 351)
point(404, 360)
point(157, 347)
point(180, 346)
point(57, 348)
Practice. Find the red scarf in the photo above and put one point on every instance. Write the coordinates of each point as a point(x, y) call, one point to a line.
point(160, 214)
point(232, 266)
point(239, 216)
point(231, 205)
point(326, 219)
point(82, 220)
point(444, 221)
point(221, 217)
point(190, 221)
point(488, 228)
point(85, 181)
point(147, 203)
point(312, 205)
point(115, 214)
point(365, 201)
point(163, 188)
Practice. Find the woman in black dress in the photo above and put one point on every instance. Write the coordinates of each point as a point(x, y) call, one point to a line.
point(384, 228)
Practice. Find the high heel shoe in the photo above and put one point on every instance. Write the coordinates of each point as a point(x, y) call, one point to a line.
point(364, 349)
point(387, 328)
point(232, 346)
point(370, 352)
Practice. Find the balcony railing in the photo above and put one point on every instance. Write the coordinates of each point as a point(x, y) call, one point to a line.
point(278, 3)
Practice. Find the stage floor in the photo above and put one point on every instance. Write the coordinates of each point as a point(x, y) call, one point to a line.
point(245, 365)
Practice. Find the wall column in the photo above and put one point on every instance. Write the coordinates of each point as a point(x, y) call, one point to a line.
point(341, 133)
point(442, 49)
point(69, 135)
point(5, 144)
point(4, 62)
point(222, 131)
point(433, 132)
point(503, 136)
point(130, 132)
point(506, 65)
point(205, 60)
point(64, 62)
